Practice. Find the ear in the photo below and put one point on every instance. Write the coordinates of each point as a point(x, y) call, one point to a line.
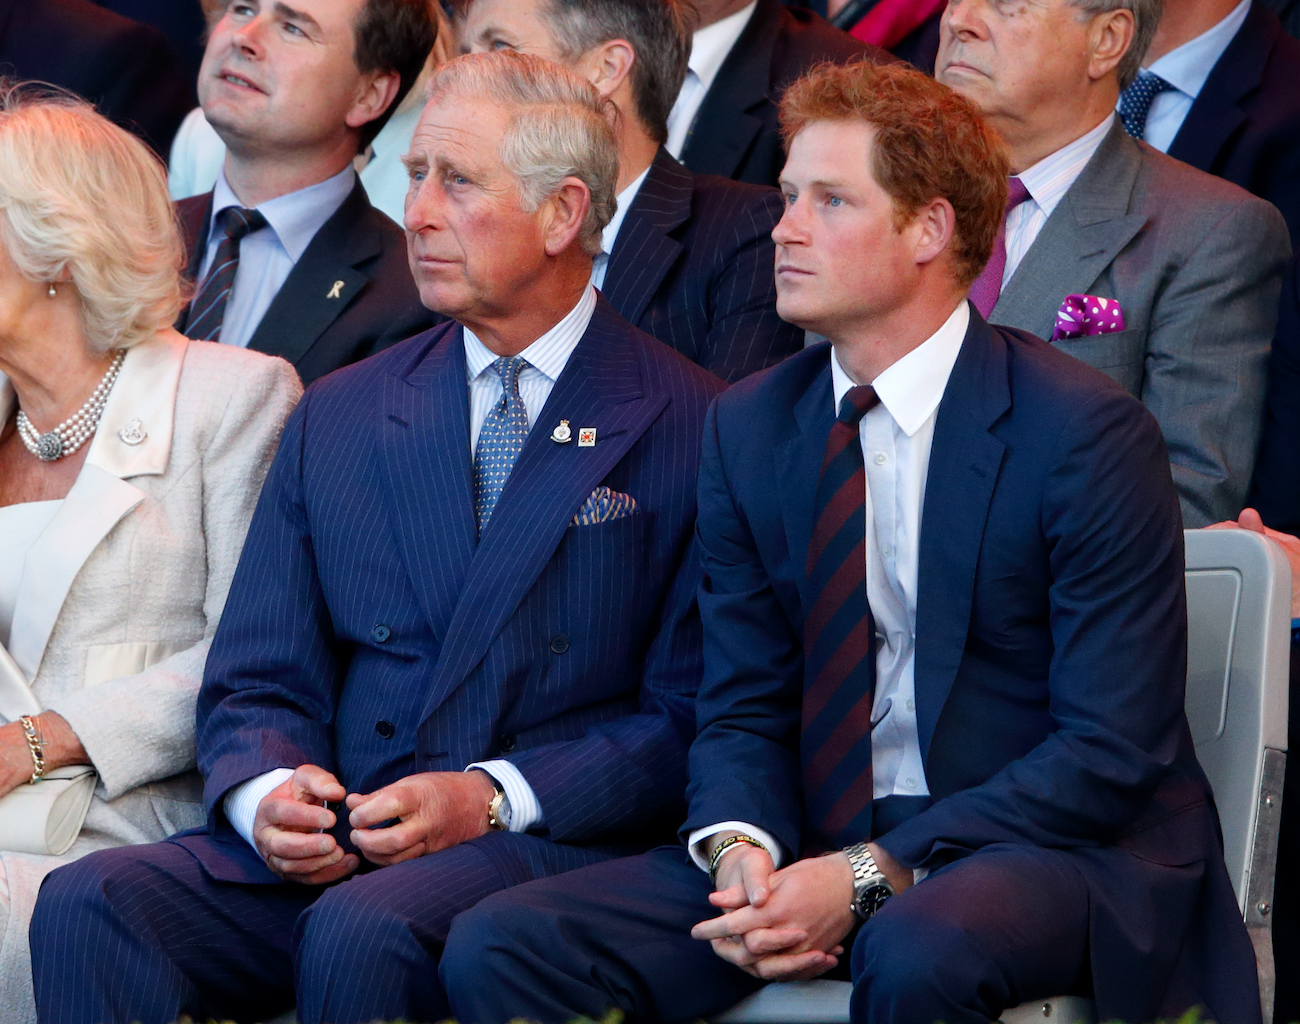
point(375, 95)
point(608, 65)
point(562, 215)
point(932, 229)
point(1109, 37)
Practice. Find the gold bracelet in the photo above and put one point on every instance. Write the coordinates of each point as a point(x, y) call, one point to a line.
point(37, 747)
point(723, 847)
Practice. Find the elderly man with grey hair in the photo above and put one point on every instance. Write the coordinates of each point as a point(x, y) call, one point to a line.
point(1161, 276)
point(462, 647)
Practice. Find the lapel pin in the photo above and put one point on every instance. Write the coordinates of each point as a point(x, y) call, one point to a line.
point(586, 437)
point(562, 434)
point(133, 433)
point(336, 291)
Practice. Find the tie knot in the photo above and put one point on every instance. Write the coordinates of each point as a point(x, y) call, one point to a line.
point(508, 369)
point(857, 403)
point(238, 222)
point(1016, 194)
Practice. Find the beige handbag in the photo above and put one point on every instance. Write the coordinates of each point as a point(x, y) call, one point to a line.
point(43, 817)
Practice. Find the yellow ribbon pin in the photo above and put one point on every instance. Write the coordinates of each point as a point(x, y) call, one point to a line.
point(334, 292)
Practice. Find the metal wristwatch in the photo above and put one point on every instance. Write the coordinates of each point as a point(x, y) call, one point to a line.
point(870, 887)
point(498, 808)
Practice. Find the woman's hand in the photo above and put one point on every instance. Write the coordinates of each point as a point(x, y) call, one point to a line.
point(60, 744)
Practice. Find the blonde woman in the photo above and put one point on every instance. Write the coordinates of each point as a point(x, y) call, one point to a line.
point(130, 461)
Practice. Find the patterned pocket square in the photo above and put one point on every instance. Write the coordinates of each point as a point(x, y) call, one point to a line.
point(1083, 316)
point(603, 505)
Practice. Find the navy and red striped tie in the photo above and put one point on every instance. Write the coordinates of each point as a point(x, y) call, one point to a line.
point(839, 643)
point(208, 309)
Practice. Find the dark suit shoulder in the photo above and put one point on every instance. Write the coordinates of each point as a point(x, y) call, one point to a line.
point(766, 396)
point(806, 39)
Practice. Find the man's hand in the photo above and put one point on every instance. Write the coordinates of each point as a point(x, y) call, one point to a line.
point(287, 830)
point(435, 810)
point(742, 874)
point(1250, 520)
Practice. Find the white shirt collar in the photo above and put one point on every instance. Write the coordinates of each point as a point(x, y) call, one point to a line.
point(1050, 178)
point(297, 216)
point(625, 200)
point(1188, 66)
point(711, 44)
point(550, 353)
point(911, 389)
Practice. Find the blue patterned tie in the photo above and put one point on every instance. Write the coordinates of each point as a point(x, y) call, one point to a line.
point(1135, 102)
point(501, 439)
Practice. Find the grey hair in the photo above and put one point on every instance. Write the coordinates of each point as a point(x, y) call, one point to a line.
point(561, 128)
point(1146, 18)
point(660, 34)
point(81, 196)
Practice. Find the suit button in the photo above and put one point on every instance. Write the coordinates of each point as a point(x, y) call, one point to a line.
point(385, 729)
point(559, 643)
point(380, 634)
point(507, 743)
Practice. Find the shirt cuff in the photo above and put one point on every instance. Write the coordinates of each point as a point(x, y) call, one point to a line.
point(695, 841)
point(523, 811)
point(242, 801)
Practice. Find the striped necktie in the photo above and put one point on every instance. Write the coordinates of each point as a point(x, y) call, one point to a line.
point(839, 642)
point(988, 286)
point(1135, 102)
point(500, 440)
point(208, 309)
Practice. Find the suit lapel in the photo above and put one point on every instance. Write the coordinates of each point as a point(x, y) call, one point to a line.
point(743, 83)
point(1087, 230)
point(424, 448)
point(798, 465)
point(645, 250)
point(1217, 114)
point(600, 387)
point(195, 216)
point(322, 284)
point(964, 462)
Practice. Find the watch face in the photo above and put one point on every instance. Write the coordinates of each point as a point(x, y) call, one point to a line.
point(871, 899)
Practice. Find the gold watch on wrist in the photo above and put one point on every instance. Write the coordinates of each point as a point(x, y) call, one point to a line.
point(498, 807)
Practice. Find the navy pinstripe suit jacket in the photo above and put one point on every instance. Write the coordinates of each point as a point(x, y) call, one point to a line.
point(368, 632)
point(693, 266)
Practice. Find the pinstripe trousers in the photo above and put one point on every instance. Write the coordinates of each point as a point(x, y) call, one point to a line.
point(145, 934)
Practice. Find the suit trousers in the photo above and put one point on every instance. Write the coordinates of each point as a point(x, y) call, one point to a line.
point(987, 932)
point(145, 934)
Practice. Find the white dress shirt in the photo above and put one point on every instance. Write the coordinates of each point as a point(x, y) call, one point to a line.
point(626, 198)
point(709, 49)
point(546, 358)
point(1047, 182)
point(267, 256)
point(896, 436)
point(1186, 69)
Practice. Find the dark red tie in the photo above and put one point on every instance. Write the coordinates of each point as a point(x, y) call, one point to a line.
point(839, 643)
point(988, 286)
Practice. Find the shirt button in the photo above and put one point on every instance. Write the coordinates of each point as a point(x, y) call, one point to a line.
point(911, 783)
point(911, 704)
point(881, 458)
point(385, 730)
point(559, 643)
point(886, 550)
point(380, 634)
point(507, 743)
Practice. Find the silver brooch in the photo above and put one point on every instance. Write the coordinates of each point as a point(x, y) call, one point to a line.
point(562, 434)
point(133, 433)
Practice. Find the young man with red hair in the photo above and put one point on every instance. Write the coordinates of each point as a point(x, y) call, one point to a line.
point(941, 739)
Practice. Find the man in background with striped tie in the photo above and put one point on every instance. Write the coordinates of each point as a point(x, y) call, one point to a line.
point(942, 748)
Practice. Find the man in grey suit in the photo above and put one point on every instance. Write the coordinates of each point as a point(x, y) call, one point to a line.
point(1194, 263)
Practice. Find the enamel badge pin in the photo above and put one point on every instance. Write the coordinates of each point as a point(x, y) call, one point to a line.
point(562, 434)
point(586, 437)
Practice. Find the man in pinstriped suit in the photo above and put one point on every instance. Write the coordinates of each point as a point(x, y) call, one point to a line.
point(462, 646)
point(687, 258)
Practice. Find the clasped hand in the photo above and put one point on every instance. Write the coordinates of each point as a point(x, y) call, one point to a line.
point(433, 810)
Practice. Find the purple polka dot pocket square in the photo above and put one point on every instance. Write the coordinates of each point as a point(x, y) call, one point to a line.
point(603, 505)
point(1082, 316)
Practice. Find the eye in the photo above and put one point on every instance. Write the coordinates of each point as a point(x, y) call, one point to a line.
point(790, 198)
point(834, 201)
point(500, 44)
point(294, 30)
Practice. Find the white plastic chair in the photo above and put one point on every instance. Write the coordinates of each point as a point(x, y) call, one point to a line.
point(1239, 618)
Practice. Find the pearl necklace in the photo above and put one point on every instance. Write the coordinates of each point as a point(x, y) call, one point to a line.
point(72, 433)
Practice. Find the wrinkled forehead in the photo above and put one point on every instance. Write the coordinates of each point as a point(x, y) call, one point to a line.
point(458, 126)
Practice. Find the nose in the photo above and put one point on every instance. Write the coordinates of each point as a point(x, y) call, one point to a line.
point(791, 229)
point(962, 19)
point(247, 38)
point(423, 206)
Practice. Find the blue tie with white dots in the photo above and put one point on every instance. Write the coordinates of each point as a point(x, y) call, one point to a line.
point(500, 440)
point(1135, 102)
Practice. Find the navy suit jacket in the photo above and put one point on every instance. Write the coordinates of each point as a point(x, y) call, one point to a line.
point(1245, 124)
point(1275, 489)
point(693, 266)
point(368, 632)
point(1051, 647)
point(378, 304)
point(736, 133)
